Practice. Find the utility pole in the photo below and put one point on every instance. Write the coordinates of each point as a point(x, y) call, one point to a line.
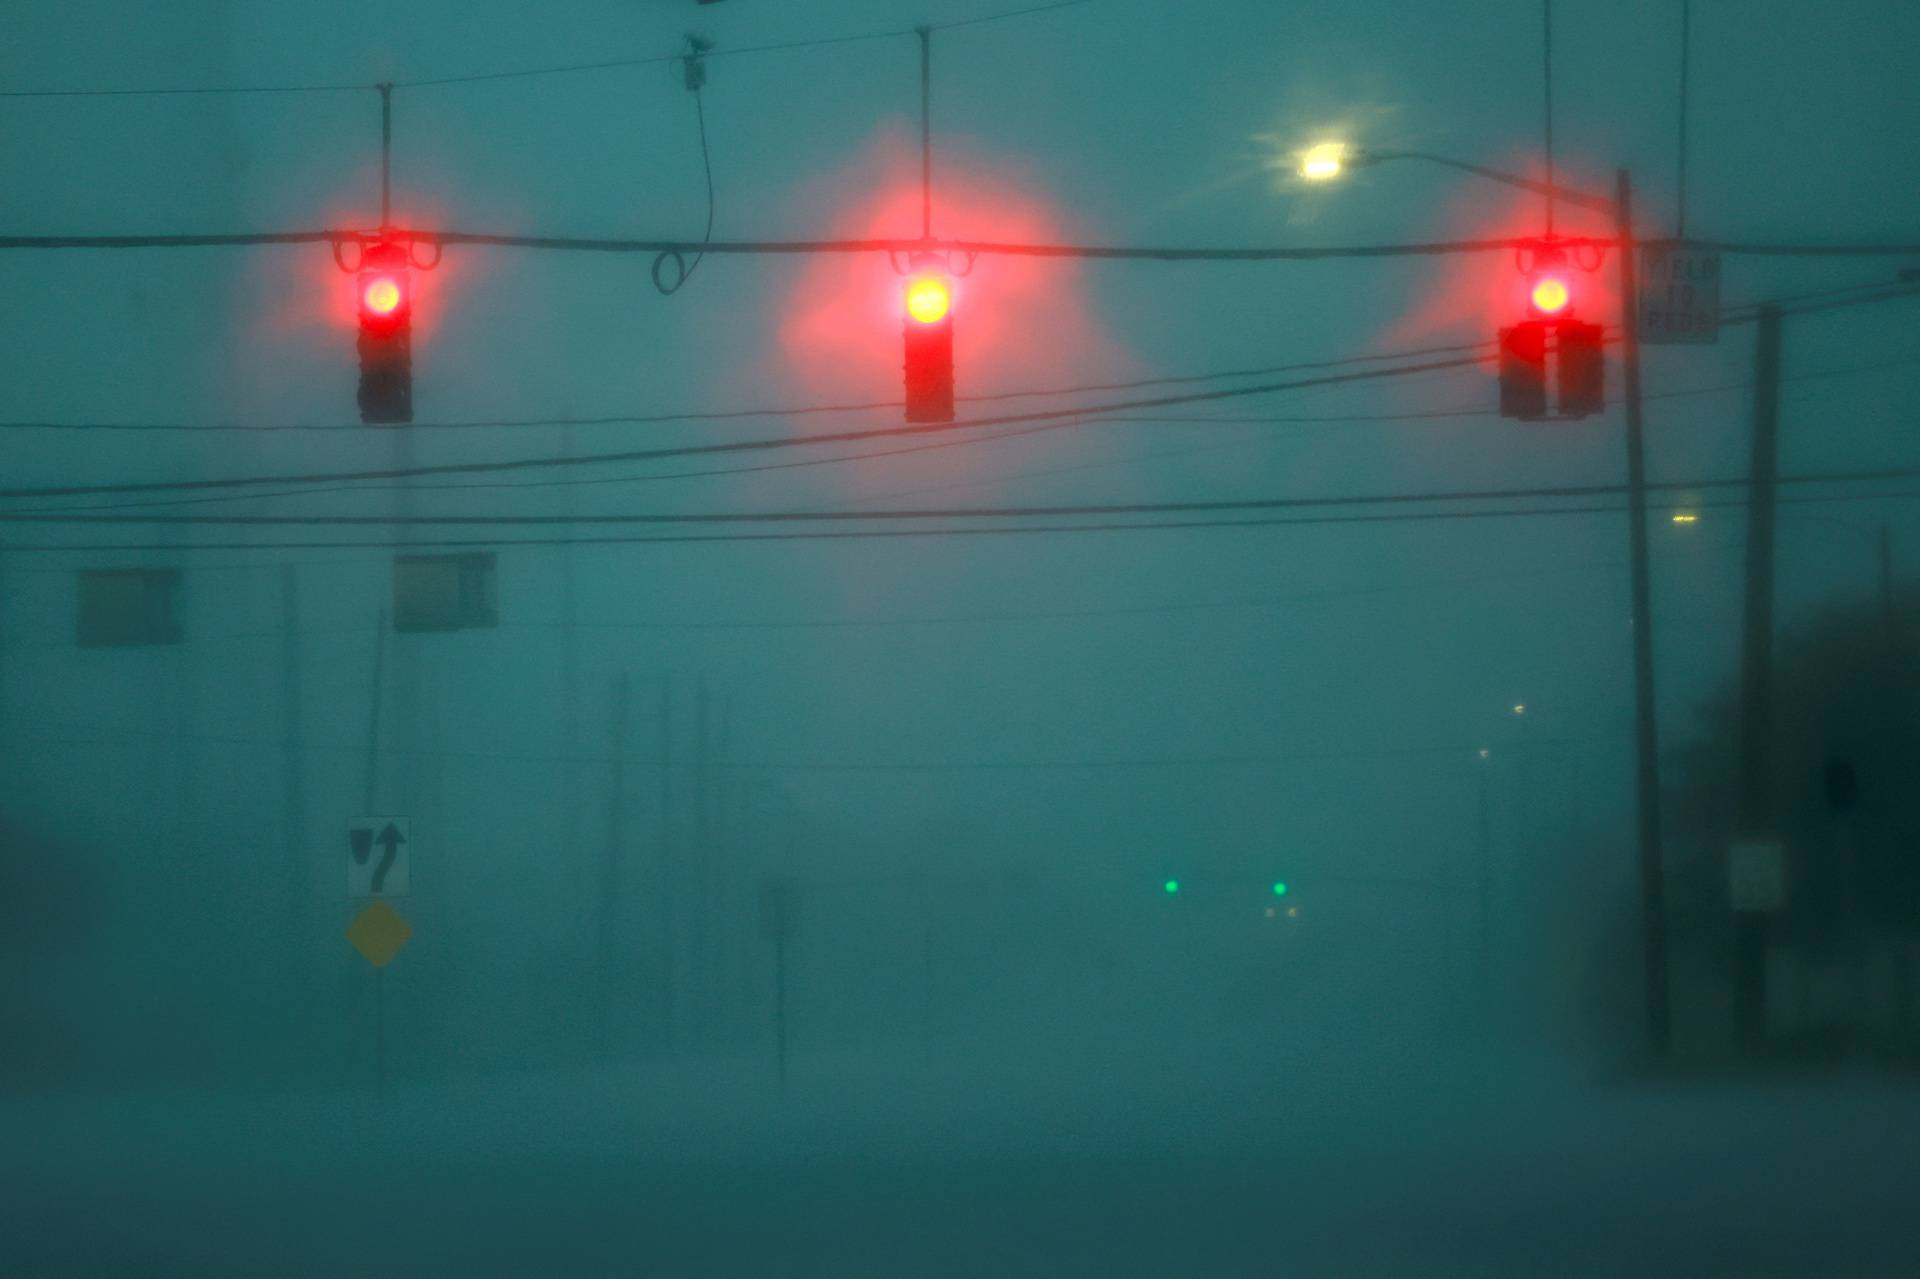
point(293, 801)
point(1485, 878)
point(1756, 677)
point(1646, 735)
point(610, 867)
point(1887, 619)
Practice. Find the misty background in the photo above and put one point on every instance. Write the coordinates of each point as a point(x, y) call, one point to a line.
point(912, 805)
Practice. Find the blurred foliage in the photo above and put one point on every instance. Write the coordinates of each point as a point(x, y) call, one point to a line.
point(1846, 699)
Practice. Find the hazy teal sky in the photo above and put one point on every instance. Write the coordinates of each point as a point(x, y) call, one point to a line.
point(1131, 122)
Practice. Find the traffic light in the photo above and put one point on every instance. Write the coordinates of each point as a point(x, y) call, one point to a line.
point(1583, 373)
point(1523, 371)
point(386, 334)
point(1550, 294)
point(929, 346)
point(1551, 346)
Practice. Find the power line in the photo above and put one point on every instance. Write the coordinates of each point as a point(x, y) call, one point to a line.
point(1730, 316)
point(524, 73)
point(646, 419)
point(839, 535)
point(979, 248)
point(842, 459)
point(88, 735)
point(741, 446)
point(1075, 511)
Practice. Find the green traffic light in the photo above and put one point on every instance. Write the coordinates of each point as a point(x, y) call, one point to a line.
point(1171, 886)
point(1280, 888)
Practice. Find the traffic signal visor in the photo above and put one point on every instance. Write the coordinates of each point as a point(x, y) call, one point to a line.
point(929, 298)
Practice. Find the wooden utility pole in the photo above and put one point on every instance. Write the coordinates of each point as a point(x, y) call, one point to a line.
point(1646, 733)
point(612, 867)
point(1756, 677)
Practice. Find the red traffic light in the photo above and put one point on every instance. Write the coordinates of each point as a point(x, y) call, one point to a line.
point(384, 285)
point(1550, 295)
point(386, 335)
point(380, 294)
point(929, 298)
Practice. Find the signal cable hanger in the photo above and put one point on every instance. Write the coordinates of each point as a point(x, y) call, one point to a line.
point(694, 76)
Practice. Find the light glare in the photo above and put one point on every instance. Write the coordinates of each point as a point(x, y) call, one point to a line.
point(1550, 294)
point(1323, 162)
point(382, 295)
point(928, 299)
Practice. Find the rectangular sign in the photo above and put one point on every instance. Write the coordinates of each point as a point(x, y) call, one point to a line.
point(379, 856)
point(1679, 295)
point(1757, 875)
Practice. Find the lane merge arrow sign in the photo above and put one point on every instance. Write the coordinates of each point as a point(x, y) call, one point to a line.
point(379, 856)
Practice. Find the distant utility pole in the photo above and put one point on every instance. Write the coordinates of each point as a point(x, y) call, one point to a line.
point(1646, 734)
point(1756, 677)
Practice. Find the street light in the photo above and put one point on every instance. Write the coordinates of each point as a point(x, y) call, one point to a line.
point(1646, 730)
point(1323, 161)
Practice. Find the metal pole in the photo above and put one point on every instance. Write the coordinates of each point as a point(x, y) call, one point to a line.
point(610, 866)
point(386, 155)
point(926, 132)
point(373, 709)
point(379, 1030)
point(1756, 675)
point(1886, 588)
point(1546, 25)
point(1486, 877)
point(1686, 25)
point(780, 984)
point(293, 797)
point(1646, 733)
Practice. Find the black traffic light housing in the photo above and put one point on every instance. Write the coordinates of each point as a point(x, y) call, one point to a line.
point(1574, 350)
point(385, 302)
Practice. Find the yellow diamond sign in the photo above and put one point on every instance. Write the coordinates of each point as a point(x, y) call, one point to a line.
point(378, 932)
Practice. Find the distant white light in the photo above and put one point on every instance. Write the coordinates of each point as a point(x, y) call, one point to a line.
point(1519, 708)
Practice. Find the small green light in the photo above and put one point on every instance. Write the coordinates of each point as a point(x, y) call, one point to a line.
point(1280, 888)
point(1172, 886)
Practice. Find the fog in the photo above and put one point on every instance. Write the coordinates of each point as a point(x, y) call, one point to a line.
point(1193, 803)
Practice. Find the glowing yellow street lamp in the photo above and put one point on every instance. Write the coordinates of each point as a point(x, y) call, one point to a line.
point(1323, 161)
point(1685, 517)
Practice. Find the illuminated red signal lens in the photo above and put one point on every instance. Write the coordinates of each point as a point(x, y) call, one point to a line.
point(928, 299)
point(1551, 295)
point(381, 295)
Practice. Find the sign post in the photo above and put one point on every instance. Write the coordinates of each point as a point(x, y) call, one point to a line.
point(776, 917)
point(379, 865)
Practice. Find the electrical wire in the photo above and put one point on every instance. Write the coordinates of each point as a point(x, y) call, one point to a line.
point(647, 419)
point(741, 446)
point(1056, 511)
point(844, 535)
point(565, 69)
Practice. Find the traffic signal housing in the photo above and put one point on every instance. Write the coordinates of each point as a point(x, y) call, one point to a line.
point(929, 346)
point(1571, 351)
point(1523, 371)
point(385, 299)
